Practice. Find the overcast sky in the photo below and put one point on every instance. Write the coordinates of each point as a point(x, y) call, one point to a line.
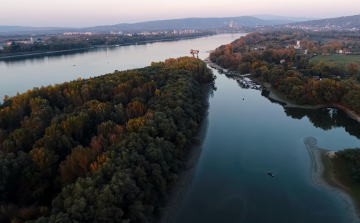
point(82, 13)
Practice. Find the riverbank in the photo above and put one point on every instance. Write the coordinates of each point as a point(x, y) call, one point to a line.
point(4, 57)
point(323, 176)
point(275, 95)
point(178, 191)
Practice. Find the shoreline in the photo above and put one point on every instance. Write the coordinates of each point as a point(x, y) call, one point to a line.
point(317, 156)
point(185, 177)
point(287, 104)
point(349, 112)
point(4, 57)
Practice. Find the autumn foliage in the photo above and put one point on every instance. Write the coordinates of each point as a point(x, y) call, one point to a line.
point(105, 149)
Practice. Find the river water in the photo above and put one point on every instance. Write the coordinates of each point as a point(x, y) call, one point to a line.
point(247, 136)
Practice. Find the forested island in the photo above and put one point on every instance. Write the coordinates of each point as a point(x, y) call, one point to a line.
point(86, 41)
point(307, 68)
point(104, 149)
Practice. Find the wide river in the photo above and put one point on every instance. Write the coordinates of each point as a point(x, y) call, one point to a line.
point(245, 138)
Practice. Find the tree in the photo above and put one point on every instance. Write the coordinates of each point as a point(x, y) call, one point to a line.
point(353, 69)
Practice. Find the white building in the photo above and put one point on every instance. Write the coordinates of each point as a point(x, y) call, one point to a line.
point(36, 40)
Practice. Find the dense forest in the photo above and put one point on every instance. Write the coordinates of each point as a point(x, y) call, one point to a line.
point(273, 57)
point(84, 41)
point(104, 149)
point(349, 162)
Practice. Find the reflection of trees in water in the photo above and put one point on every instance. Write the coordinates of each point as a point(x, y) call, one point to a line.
point(266, 93)
point(326, 119)
point(243, 86)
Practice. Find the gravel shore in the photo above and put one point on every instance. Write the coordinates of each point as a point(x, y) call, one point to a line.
point(316, 171)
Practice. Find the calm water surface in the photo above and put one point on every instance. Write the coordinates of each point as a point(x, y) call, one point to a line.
point(245, 138)
point(21, 74)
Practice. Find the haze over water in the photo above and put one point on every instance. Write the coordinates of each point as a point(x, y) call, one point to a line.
point(245, 138)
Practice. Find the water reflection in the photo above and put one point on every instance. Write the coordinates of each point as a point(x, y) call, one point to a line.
point(324, 118)
point(22, 73)
point(41, 58)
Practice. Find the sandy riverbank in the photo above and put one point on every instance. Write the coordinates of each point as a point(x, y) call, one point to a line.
point(316, 173)
point(178, 191)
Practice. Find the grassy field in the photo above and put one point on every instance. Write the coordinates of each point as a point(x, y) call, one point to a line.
point(341, 60)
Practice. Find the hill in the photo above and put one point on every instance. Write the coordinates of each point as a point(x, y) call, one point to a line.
point(11, 30)
point(186, 23)
point(190, 23)
point(340, 23)
point(275, 17)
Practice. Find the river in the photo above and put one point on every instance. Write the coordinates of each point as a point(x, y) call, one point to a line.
point(23, 73)
point(247, 136)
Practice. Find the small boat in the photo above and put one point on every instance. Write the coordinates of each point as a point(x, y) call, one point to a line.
point(270, 174)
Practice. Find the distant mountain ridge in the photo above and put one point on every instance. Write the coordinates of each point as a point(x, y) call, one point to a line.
point(191, 23)
point(289, 18)
point(339, 23)
point(347, 22)
point(186, 23)
point(28, 29)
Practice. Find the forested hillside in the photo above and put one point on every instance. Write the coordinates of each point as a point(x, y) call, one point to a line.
point(104, 149)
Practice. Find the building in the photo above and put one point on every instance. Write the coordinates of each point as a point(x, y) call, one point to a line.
point(36, 40)
point(339, 51)
point(77, 33)
point(20, 41)
point(282, 61)
point(346, 51)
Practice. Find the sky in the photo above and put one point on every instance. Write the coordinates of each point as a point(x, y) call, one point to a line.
point(85, 13)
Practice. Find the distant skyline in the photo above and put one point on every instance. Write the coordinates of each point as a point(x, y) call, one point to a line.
point(84, 13)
